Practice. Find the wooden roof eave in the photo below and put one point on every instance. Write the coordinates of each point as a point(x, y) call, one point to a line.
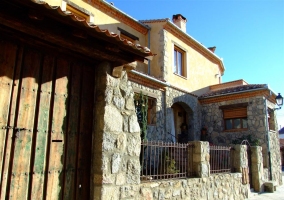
point(265, 92)
point(115, 50)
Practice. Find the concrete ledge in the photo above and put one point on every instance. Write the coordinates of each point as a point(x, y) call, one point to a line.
point(270, 186)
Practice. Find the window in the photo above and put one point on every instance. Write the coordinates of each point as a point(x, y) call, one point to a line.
point(140, 100)
point(151, 115)
point(235, 116)
point(128, 36)
point(179, 60)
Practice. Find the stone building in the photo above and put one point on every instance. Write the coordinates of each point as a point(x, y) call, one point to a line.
point(185, 94)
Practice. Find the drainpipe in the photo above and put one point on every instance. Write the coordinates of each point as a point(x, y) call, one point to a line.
point(149, 42)
point(268, 139)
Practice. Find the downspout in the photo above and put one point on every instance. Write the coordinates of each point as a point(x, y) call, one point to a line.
point(149, 44)
point(268, 138)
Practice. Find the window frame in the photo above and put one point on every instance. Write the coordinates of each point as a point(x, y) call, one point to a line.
point(152, 107)
point(179, 63)
point(240, 111)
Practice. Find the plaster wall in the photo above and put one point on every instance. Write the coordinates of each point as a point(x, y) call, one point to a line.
point(200, 71)
point(103, 20)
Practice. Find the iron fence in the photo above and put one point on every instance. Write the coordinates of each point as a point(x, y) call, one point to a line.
point(164, 160)
point(220, 159)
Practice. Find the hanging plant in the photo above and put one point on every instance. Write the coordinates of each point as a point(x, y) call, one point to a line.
point(141, 108)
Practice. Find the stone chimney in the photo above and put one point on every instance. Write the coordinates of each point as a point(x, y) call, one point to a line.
point(180, 21)
point(212, 49)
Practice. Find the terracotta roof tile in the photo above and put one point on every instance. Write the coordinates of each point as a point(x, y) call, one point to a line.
point(233, 90)
point(154, 20)
point(145, 50)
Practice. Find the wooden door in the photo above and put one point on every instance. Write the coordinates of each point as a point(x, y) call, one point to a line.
point(46, 117)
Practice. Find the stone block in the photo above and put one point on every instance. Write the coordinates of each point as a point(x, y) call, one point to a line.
point(133, 145)
point(133, 124)
point(133, 171)
point(130, 104)
point(108, 142)
point(146, 194)
point(113, 119)
point(119, 102)
point(110, 193)
point(270, 186)
point(116, 160)
point(121, 142)
point(120, 179)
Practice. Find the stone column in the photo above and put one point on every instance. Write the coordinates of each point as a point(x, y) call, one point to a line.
point(116, 138)
point(201, 165)
point(240, 162)
point(257, 168)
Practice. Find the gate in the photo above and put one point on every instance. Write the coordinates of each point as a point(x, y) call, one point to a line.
point(46, 117)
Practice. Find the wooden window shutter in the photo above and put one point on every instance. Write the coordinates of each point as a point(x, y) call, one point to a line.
point(235, 113)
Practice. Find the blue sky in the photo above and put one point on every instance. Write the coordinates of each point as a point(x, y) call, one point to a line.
point(248, 34)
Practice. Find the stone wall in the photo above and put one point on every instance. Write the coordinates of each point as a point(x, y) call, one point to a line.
point(154, 132)
point(117, 142)
point(219, 186)
point(164, 101)
point(116, 166)
point(212, 118)
point(190, 105)
point(275, 157)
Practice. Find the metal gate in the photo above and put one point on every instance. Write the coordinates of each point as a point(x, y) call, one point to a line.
point(46, 117)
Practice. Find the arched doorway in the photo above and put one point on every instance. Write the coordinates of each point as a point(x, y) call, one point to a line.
point(182, 122)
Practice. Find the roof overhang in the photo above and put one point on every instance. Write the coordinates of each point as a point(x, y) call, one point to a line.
point(265, 92)
point(36, 17)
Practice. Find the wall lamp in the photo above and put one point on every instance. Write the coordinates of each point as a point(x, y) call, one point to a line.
point(279, 101)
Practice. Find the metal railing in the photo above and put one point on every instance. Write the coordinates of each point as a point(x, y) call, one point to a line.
point(164, 160)
point(220, 159)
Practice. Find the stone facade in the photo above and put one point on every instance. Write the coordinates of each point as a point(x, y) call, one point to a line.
point(212, 118)
point(117, 132)
point(116, 174)
point(164, 101)
point(258, 129)
point(190, 105)
point(155, 132)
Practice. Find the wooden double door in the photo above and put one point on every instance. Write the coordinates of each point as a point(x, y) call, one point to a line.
point(46, 122)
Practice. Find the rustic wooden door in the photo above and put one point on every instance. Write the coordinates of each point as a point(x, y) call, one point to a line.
point(46, 116)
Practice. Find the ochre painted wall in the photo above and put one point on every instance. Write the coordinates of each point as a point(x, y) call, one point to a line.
point(105, 21)
point(200, 71)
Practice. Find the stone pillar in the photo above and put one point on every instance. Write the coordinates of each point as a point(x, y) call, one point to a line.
point(201, 157)
point(116, 138)
point(257, 168)
point(240, 162)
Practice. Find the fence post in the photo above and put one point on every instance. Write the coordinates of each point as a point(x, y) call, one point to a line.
point(257, 168)
point(240, 162)
point(200, 159)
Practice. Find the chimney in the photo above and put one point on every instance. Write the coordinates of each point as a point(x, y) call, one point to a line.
point(212, 49)
point(180, 21)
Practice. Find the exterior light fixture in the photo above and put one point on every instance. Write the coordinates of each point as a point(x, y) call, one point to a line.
point(279, 101)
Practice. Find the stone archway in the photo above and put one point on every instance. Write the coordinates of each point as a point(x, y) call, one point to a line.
point(182, 122)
